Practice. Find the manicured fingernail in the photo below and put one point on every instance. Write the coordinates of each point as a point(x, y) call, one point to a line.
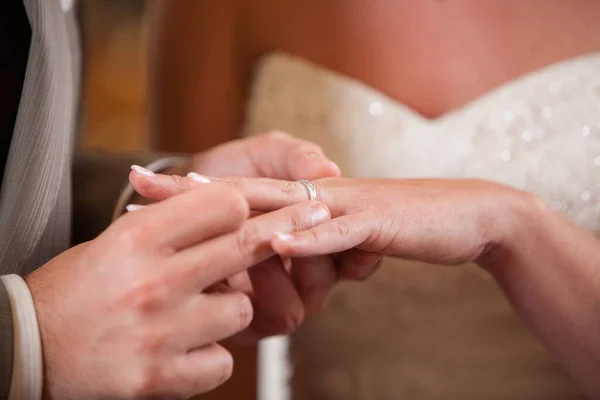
point(134, 207)
point(142, 170)
point(319, 215)
point(286, 237)
point(198, 178)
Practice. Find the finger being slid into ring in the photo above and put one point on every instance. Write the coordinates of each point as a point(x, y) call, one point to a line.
point(334, 236)
point(262, 194)
point(265, 195)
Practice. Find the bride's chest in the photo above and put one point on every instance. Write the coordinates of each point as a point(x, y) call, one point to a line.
point(432, 55)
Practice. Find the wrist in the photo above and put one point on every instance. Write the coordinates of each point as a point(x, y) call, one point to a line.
point(518, 218)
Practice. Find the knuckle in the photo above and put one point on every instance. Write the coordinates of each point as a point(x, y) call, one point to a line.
point(248, 239)
point(219, 368)
point(233, 183)
point(235, 202)
point(293, 320)
point(224, 369)
point(147, 382)
point(310, 148)
point(364, 275)
point(180, 181)
point(290, 321)
point(314, 235)
point(297, 222)
point(341, 228)
point(246, 311)
point(288, 187)
point(149, 340)
point(147, 296)
point(132, 235)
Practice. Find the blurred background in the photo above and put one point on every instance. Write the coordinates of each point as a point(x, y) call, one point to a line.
point(114, 97)
point(114, 115)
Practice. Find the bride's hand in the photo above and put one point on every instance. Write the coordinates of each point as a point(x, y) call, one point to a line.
point(431, 220)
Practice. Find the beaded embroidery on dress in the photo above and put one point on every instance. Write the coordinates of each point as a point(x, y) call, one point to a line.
point(427, 332)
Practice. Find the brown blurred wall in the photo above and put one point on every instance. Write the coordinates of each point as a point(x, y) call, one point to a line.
point(114, 116)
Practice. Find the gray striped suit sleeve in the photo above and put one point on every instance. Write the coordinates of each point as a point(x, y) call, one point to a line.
point(32, 199)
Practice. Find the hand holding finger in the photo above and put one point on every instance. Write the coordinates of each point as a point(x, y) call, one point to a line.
point(124, 287)
point(249, 245)
point(179, 229)
point(334, 236)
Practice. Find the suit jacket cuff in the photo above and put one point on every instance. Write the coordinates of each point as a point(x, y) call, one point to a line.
point(27, 368)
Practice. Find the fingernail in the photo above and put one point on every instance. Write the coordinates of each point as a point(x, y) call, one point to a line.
point(319, 215)
point(142, 170)
point(198, 178)
point(134, 207)
point(286, 237)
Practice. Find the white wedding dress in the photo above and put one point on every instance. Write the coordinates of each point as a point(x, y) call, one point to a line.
point(417, 331)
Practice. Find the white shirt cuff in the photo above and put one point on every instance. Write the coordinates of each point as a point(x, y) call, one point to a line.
point(156, 166)
point(27, 373)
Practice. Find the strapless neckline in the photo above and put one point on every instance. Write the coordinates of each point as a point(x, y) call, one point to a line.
point(284, 59)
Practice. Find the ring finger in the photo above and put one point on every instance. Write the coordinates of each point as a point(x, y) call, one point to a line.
point(264, 194)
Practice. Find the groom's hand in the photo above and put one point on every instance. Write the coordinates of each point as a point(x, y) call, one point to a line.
point(283, 295)
point(136, 312)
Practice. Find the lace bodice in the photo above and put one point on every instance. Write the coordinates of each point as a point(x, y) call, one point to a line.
point(540, 132)
point(434, 332)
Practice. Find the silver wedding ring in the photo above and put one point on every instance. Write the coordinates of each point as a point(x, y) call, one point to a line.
point(312, 192)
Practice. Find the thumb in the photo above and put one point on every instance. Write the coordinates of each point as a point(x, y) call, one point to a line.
point(160, 187)
point(281, 156)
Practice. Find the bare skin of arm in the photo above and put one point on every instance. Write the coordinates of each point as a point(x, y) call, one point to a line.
point(550, 270)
